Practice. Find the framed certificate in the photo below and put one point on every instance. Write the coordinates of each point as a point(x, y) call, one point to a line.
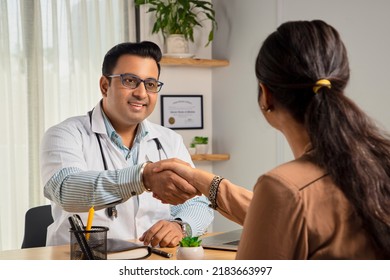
point(182, 111)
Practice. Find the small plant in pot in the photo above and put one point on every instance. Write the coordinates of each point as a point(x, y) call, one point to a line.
point(178, 18)
point(190, 249)
point(201, 144)
point(192, 149)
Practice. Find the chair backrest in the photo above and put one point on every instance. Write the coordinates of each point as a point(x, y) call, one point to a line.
point(37, 220)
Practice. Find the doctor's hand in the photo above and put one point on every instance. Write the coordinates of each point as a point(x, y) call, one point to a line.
point(163, 233)
point(167, 186)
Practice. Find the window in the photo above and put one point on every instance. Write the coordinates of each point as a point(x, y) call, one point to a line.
point(51, 53)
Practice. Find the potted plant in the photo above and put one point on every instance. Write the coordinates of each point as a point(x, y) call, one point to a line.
point(192, 149)
point(190, 249)
point(178, 18)
point(201, 144)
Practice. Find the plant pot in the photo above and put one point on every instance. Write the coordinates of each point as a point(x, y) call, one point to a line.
point(190, 253)
point(192, 150)
point(202, 148)
point(177, 44)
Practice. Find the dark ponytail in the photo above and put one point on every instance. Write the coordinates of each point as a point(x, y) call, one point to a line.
point(346, 143)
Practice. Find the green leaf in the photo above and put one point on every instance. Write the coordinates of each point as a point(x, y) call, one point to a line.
point(200, 140)
point(180, 16)
point(190, 242)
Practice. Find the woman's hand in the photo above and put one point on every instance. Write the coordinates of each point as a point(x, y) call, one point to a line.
point(198, 178)
point(181, 168)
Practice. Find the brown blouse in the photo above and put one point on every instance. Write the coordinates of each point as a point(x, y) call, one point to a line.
point(296, 212)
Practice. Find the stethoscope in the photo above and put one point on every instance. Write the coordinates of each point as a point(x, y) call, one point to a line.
point(159, 148)
point(112, 212)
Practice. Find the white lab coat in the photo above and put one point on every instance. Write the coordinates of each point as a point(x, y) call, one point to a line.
point(133, 218)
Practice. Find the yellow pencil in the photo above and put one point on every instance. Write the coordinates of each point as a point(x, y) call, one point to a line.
point(91, 213)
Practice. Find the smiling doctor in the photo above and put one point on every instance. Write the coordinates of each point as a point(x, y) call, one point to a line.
point(97, 160)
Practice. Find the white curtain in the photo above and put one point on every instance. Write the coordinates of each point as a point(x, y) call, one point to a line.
point(51, 53)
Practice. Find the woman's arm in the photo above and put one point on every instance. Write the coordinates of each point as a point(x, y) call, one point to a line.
point(232, 200)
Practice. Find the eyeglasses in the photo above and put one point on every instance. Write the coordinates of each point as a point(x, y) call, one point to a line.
point(132, 81)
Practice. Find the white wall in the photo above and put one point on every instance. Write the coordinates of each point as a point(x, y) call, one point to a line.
point(185, 80)
point(238, 126)
point(232, 118)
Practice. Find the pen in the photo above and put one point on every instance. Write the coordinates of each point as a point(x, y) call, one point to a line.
point(91, 213)
point(161, 253)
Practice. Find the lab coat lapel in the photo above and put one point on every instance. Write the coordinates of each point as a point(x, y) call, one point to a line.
point(98, 125)
point(113, 156)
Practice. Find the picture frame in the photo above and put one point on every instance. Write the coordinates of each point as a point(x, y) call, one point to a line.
point(182, 111)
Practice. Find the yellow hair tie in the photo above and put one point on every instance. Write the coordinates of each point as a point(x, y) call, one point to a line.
point(321, 83)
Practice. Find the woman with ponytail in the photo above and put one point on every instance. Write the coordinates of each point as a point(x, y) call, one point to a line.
point(333, 200)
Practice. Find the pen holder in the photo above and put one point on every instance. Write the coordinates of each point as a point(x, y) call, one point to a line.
point(89, 244)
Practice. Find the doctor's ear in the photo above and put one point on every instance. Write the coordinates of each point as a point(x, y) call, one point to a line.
point(104, 84)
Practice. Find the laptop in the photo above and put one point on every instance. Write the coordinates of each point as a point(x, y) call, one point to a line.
point(223, 241)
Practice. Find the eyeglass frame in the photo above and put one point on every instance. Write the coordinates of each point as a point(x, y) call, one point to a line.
point(159, 84)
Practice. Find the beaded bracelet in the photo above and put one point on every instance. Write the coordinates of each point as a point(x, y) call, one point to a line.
point(213, 191)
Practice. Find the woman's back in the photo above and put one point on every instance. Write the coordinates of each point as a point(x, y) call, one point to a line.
point(303, 70)
point(297, 212)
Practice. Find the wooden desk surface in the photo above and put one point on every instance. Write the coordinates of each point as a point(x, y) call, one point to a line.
point(63, 253)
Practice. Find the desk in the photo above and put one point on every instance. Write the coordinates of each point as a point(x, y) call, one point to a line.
point(63, 253)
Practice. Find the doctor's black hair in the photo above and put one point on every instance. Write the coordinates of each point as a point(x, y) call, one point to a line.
point(142, 49)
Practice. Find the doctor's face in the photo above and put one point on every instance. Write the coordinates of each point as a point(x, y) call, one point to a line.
point(126, 107)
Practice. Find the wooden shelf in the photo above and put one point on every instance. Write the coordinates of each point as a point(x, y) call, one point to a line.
point(193, 62)
point(210, 157)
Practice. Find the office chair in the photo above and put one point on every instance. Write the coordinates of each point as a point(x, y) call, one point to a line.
point(37, 220)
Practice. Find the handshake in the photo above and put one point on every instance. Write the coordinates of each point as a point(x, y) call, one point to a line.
point(174, 181)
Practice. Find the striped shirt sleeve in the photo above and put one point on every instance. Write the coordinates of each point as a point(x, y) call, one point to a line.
point(104, 188)
point(196, 212)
